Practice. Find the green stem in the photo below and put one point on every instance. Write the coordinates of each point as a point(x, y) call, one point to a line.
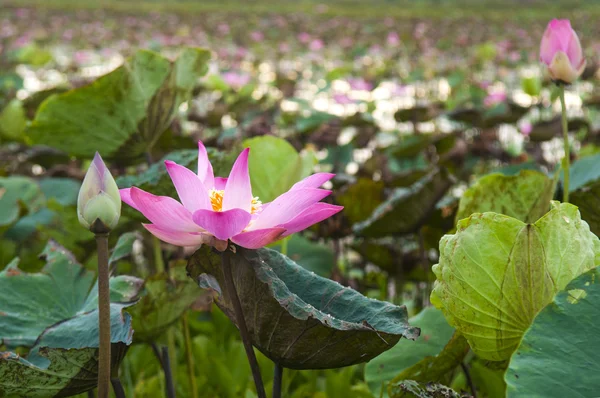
point(241, 324)
point(284, 245)
point(103, 317)
point(567, 159)
point(160, 267)
point(118, 388)
point(189, 356)
point(170, 385)
point(159, 263)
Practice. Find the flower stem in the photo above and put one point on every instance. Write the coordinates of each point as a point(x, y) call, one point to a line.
point(103, 316)
point(277, 378)
point(166, 360)
point(241, 323)
point(284, 245)
point(189, 357)
point(567, 159)
point(118, 388)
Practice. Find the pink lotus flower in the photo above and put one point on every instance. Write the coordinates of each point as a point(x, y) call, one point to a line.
point(214, 210)
point(561, 51)
point(494, 99)
point(235, 80)
point(393, 39)
point(526, 128)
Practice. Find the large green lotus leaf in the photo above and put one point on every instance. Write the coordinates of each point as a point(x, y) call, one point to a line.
point(71, 371)
point(58, 192)
point(407, 208)
point(101, 116)
point(191, 64)
point(558, 354)
point(156, 179)
point(525, 196)
point(17, 194)
point(55, 313)
point(135, 102)
point(164, 300)
point(297, 318)
point(275, 166)
point(64, 361)
point(63, 290)
point(435, 334)
point(496, 273)
point(413, 389)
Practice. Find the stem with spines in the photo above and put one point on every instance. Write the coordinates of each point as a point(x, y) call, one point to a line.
point(241, 323)
point(103, 316)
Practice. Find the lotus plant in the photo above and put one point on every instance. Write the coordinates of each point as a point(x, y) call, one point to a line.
point(561, 52)
point(214, 210)
point(98, 209)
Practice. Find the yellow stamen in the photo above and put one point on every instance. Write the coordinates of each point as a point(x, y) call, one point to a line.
point(216, 201)
point(256, 205)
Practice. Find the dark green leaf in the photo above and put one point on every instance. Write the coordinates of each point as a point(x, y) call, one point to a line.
point(140, 97)
point(30, 303)
point(297, 318)
point(410, 388)
point(433, 368)
point(164, 300)
point(18, 193)
point(584, 171)
point(407, 208)
point(55, 313)
point(361, 199)
point(435, 334)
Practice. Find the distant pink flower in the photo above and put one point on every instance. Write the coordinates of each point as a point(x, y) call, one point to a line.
point(346, 42)
point(214, 209)
point(236, 80)
point(316, 45)
point(22, 12)
point(561, 51)
point(257, 36)
point(342, 99)
point(393, 39)
point(526, 128)
point(81, 57)
point(485, 84)
point(284, 47)
point(223, 28)
point(360, 84)
point(494, 99)
point(303, 37)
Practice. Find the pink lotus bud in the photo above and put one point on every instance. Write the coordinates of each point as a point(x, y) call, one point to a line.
point(561, 51)
point(99, 201)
